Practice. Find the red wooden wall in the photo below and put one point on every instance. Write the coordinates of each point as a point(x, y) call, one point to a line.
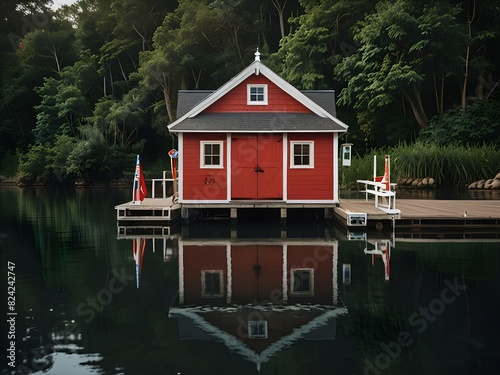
point(194, 178)
point(278, 100)
point(317, 182)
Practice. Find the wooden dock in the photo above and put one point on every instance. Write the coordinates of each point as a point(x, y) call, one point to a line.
point(422, 214)
point(155, 211)
point(427, 215)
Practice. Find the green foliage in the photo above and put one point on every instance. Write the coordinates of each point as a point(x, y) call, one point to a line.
point(306, 55)
point(34, 166)
point(397, 41)
point(63, 102)
point(479, 123)
point(87, 159)
point(91, 158)
point(118, 119)
point(51, 50)
point(116, 67)
point(60, 153)
point(9, 165)
point(44, 163)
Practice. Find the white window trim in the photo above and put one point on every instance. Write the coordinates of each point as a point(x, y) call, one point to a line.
point(202, 155)
point(311, 282)
point(263, 102)
point(264, 336)
point(311, 154)
point(221, 284)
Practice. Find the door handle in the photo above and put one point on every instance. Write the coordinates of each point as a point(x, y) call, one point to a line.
point(258, 169)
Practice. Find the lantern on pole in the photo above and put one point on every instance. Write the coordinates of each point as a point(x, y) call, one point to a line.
point(346, 154)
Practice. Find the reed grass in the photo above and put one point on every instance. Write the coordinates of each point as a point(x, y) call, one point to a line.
point(449, 164)
point(454, 165)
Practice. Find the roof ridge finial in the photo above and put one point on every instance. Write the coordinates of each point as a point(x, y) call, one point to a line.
point(257, 55)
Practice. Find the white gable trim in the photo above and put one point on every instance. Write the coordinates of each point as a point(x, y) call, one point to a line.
point(257, 67)
point(257, 131)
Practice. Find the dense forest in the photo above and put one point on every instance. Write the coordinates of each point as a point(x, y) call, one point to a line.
point(86, 87)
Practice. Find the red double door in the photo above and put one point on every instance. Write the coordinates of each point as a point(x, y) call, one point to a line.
point(257, 166)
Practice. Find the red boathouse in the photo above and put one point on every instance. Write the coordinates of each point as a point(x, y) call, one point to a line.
point(257, 141)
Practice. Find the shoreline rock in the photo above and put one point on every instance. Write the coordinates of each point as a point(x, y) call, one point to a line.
point(489, 184)
point(417, 183)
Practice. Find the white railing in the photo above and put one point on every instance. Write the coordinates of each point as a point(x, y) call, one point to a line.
point(163, 182)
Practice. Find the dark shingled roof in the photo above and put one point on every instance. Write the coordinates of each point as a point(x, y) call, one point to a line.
point(258, 122)
point(188, 99)
point(324, 98)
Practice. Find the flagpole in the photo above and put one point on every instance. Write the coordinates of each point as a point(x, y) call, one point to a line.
point(136, 180)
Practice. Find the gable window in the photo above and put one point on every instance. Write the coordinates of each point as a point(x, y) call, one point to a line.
point(211, 154)
point(257, 329)
point(302, 281)
point(302, 154)
point(211, 283)
point(257, 95)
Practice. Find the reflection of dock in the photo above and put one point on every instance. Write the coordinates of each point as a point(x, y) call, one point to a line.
point(382, 250)
point(421, 214)
point(140, 243)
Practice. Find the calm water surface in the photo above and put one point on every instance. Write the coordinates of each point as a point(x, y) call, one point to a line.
point(205, 300)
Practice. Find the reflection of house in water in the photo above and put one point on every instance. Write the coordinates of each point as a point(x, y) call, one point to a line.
point(381, 249)
point(257, 297)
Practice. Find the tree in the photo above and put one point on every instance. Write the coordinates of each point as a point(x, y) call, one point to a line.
point(189, 51)
point(135, 23)
point(20, 17)
point(321, 37)
point(63, 102)
point(397, 43)
point(280, 7)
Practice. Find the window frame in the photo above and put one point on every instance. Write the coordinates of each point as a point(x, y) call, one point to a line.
point(310, 292)
point(257, 102)
point(264, 335)
point(204, 294)
point(292, 155)
point(202, 155)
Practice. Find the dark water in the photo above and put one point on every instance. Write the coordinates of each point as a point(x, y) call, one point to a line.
point(86, 304)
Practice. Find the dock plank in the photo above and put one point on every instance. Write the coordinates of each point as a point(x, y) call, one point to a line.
point(149, 203)
point(420, 213)
point(428, 209)
point(416, 208)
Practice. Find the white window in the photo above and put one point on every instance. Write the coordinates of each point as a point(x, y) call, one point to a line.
point(257, 329)
point(257, 95)
point(212, 283)
point(302, 154)
point(302, 281)
point(211, 154)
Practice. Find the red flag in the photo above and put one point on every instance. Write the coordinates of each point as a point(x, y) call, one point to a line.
point(140, 189)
